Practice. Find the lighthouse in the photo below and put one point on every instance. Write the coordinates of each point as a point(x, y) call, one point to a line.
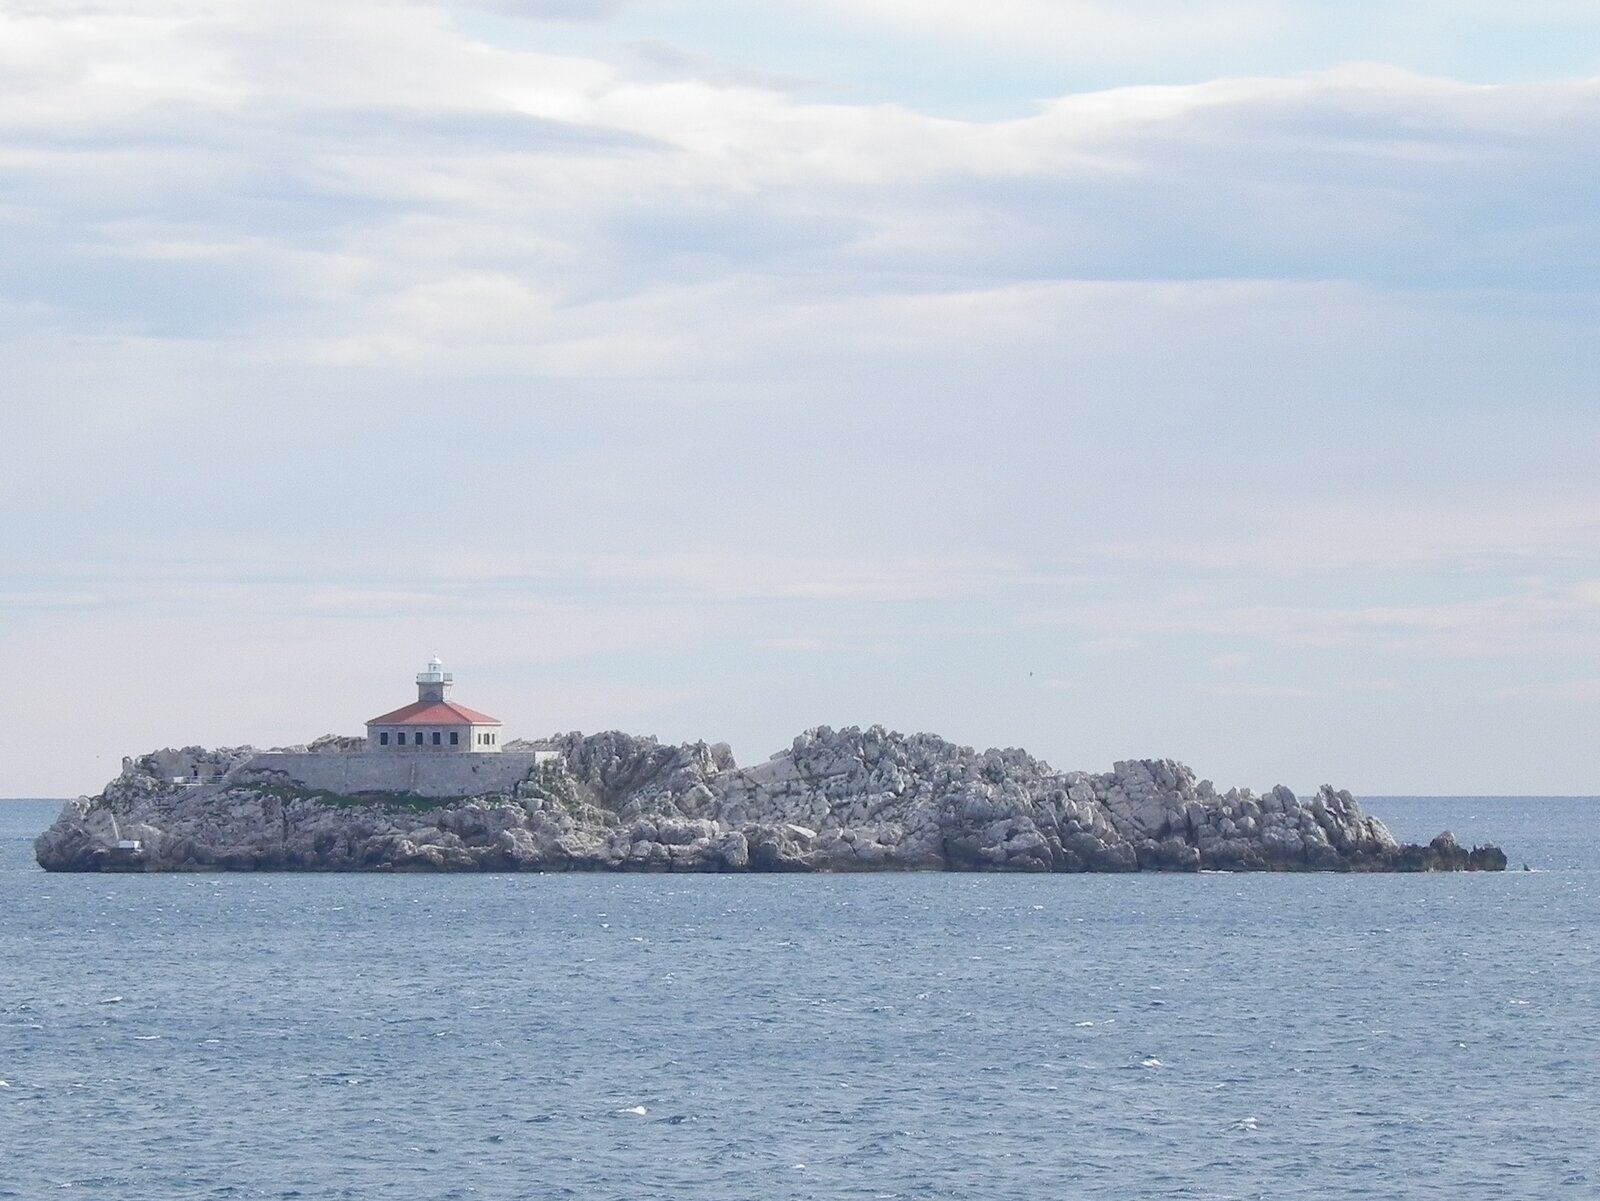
point(434, 682)
point(433, 723)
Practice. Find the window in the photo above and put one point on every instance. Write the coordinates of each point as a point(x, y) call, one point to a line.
point(455, 737)
point(383, 739)
point(436, 738)
point(418, 739)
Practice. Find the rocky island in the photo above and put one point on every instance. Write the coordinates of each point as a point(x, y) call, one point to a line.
point(836, 800)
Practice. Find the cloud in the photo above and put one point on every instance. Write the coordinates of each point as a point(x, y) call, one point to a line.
point(656, 58)
point(1261, 691)
point(358, 183)
point(1539, 620)
point(1110, 645)
point(1506, 524)
point(801, 643)
point(549, 10)
point(1574, 691)
point(1079, 28)
point(310, 581)
point(1163, 37)
point(1325, 692)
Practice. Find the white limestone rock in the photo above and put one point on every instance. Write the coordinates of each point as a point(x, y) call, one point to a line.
point(836, 800)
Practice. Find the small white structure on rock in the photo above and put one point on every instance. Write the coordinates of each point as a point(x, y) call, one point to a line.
point(434, 722)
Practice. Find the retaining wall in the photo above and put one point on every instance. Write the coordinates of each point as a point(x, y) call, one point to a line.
point(439, 775)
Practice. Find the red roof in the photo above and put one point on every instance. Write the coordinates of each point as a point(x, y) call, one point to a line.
point(434, 713)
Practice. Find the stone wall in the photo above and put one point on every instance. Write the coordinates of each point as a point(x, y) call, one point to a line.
point(433, 775)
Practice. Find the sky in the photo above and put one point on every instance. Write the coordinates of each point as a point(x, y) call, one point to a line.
point(1139, 379)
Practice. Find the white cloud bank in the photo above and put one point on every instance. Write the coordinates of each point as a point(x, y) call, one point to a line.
point(359, 182)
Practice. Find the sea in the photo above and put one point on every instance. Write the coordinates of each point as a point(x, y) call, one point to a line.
point(500, 1037)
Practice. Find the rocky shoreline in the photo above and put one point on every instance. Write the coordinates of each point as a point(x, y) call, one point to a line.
point(836, 800)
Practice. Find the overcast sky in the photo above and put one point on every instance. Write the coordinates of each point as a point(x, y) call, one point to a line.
point(1139, 378)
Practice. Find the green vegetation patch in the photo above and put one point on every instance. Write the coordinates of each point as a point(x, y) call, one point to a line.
point(360, 800)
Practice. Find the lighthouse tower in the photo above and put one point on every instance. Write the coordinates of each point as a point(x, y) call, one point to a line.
point(433, 682)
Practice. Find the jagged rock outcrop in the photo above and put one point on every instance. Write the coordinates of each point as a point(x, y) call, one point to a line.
point(836, 800)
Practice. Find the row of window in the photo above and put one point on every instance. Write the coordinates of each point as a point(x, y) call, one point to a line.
point(455, 738)
point(400, 739)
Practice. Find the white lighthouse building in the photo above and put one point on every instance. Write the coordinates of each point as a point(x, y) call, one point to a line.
point(434, 723)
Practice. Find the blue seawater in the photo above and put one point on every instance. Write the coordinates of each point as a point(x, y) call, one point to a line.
point(734, 1037)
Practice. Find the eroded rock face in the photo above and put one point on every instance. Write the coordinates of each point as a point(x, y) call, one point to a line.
point(836, 800)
